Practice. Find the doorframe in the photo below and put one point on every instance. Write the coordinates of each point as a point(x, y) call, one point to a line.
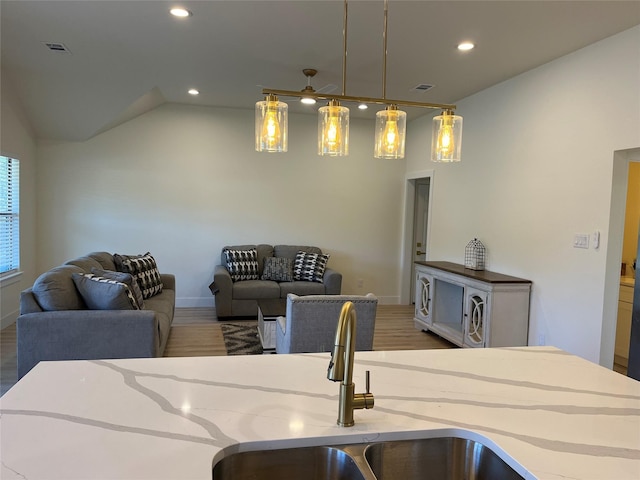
point(620, 177)
point(406, 256)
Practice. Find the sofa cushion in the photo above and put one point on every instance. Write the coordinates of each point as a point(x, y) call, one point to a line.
point(301, 288)
point(144, 270)
point(255, 289)
point(125, 278)
point(290, 251)
point(85, 263)
point(100, 293)
point(242, 264)
point(278, 269)
point(105, 259)
point(54, 290)
point(310, 266)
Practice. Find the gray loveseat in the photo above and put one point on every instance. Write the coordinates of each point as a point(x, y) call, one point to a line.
point(56, 324)
point(239, 298)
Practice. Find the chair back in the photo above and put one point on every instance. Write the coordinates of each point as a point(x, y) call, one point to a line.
point(311, 321)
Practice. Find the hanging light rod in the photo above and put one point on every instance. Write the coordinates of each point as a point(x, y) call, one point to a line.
point(349, 98)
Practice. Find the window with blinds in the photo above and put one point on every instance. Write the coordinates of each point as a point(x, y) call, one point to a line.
point(9, 215)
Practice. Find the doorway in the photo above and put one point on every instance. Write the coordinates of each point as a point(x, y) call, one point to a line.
point(420, 227)
point(417, 225)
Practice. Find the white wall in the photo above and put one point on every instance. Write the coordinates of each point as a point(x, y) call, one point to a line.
point(17, 141)
point(537, 168)
point(183, 181)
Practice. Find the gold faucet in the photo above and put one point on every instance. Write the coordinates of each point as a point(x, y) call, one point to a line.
point(341, 368)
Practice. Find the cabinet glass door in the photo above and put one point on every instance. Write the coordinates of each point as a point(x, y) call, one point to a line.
point(423, 296)
point(475, 318)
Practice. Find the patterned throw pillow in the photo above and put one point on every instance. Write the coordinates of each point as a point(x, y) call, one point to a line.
point(100, 293)
point(144, 269)
point(242, 264)
point(278, 269)
point(125, 278)
point(310, 266)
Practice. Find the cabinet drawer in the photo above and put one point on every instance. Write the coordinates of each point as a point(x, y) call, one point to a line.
point(626, 293)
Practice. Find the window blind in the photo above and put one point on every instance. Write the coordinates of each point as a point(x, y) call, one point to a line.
point(9, 215)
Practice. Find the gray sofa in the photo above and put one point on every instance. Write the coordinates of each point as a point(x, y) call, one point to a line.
point(240, 298)
point(56, 324)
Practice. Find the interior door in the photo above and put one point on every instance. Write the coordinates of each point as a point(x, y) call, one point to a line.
point(420, 226)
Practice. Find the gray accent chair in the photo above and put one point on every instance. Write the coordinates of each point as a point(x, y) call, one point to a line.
point(240, 299)
point(311, 321)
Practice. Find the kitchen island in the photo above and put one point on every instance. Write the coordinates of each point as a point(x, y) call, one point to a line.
point(548, 414)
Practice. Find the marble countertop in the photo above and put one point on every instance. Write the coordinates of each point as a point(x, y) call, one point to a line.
point(549, 414)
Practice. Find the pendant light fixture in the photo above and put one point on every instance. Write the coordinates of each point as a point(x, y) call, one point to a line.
point(333, 119)
point(272, 124)
point(333, 130)
point(390, 123)
point(446, 139)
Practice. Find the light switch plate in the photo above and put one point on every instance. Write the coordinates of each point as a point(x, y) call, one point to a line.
point(581, 240)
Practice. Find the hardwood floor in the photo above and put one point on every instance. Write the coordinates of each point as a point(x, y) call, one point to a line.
point(197, 332)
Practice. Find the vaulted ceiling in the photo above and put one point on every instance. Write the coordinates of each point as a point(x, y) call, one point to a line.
point(127, 57)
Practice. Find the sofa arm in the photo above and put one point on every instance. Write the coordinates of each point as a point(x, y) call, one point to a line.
point(85, 335)
point(224, 295)
point(332, 282)
point(168, 281)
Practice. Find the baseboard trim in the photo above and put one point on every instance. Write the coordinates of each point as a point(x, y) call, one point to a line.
point(9, 319)
point(195, 302)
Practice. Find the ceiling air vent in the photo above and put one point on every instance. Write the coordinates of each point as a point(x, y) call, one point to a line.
point(56, 47)
point(422, 87)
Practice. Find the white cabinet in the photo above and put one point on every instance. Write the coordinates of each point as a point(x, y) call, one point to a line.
point(471, 308)
point(623, 328)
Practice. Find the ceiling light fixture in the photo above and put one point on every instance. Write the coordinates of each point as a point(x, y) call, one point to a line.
point(180, 12)
point(333, 120)
point(391, 123)
point(272, 124)
point(193, 91)
point(465, 46)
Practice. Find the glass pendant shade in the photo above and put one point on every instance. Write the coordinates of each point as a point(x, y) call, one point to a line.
point(272, 123)
point(333, 130)
point(391, 125)
point(446, 140)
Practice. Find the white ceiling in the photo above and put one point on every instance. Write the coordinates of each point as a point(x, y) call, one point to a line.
point(130, 56)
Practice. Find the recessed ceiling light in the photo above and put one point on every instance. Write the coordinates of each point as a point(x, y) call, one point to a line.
point(363, 106)
point(180, 12)
point(464, 46)
point(193, 91)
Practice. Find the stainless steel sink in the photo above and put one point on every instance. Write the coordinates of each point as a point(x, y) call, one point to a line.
point(442, 458)
point(308, 463)
point(446, 458)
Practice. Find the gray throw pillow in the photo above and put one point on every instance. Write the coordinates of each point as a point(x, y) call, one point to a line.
point(54, 290)
point(310, 266)
point(125, 278)
point(278, 269)
point(101, 293)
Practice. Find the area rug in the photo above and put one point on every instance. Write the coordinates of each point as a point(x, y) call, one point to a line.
point(241, 338)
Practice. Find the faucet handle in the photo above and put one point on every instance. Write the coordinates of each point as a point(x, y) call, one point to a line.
point(367, 381)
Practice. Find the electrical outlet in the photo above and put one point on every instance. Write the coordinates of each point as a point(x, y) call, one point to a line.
point(541, 339)
point(360, 283)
